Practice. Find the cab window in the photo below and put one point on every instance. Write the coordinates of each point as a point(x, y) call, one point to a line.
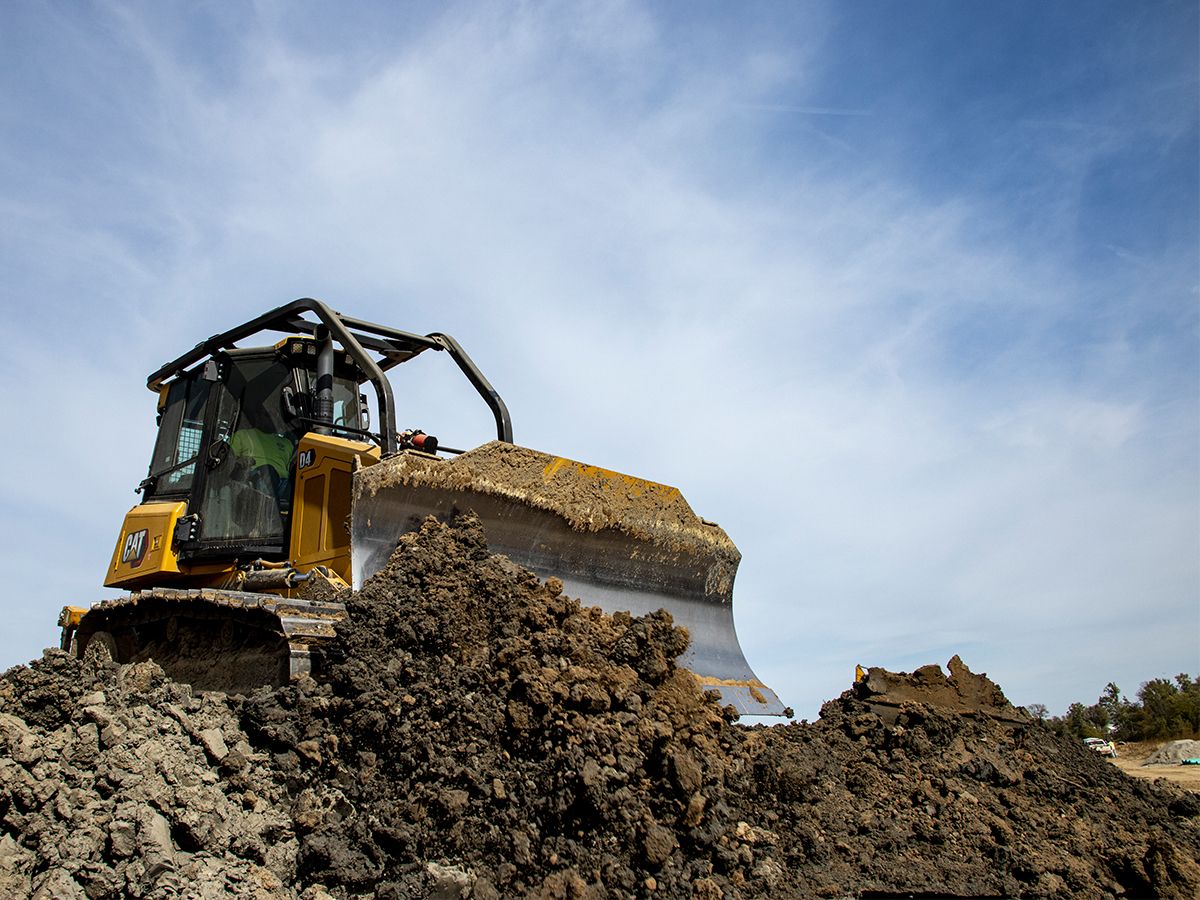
point(179, 432)
point(248, 485)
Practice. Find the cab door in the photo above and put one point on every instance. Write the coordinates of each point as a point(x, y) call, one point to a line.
point(244, 492)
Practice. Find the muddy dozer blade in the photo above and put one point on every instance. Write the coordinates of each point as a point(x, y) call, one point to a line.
point(615, 541)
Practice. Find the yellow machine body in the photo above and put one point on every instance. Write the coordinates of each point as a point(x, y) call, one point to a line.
point(320, 531)
point(320, 527)
point(143, 554)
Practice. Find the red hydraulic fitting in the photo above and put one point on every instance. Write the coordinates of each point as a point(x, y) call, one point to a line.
point(416, 439)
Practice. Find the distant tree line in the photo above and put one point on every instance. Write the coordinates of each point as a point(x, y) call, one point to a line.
point(1164, 710)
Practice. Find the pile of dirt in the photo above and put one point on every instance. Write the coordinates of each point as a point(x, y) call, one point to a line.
point(940, 803)
point(478, 734)
point(1173, 753)
point(120, 783)
point(962, 691)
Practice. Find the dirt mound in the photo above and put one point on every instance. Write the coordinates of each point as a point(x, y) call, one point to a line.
point(937, 803)
point(962, 691)
point(120, 783)
point(479, 734)
point(1173, 753)
point(479, 717)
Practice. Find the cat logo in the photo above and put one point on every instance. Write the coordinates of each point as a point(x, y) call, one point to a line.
point(134, 550)
point(306, 458)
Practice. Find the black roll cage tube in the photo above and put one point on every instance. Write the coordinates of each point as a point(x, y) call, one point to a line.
point(356, 337)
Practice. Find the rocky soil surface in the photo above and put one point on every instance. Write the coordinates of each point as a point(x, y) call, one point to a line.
point(477, 734)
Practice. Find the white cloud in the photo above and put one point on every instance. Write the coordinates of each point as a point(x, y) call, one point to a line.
point(865, 386)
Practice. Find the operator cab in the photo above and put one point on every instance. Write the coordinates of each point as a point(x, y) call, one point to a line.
point(228, 432)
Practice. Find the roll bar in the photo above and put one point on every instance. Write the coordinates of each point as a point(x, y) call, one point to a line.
point(357, 337)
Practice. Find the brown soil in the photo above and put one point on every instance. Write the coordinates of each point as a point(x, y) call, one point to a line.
point(478, 734)
point(962, 691)
point(588, 497)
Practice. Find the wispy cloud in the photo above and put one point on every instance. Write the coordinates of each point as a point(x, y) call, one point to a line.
point(808, 110)
point(926, 426)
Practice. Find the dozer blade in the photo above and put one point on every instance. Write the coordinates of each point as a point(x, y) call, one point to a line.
point(615, 541)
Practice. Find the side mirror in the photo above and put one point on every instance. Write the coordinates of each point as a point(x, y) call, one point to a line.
point(365, 412)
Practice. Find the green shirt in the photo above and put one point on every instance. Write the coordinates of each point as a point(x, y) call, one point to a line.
point(264, 448)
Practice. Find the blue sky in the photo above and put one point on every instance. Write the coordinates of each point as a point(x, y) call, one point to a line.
point(903, 295)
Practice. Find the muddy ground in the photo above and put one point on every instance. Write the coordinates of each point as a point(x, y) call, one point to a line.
point(1140, 761)
point(478, 734)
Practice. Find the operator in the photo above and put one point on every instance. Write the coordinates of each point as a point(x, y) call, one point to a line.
point(267, 453)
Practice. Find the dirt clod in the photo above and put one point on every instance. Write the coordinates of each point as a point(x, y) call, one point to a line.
point(477, 734)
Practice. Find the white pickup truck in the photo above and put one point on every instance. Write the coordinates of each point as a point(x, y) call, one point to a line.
point(1101, 746)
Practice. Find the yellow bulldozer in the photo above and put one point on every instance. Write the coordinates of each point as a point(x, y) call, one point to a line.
point(269, 492)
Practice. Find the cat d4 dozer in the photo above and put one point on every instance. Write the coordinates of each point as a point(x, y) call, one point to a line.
point(268, 492)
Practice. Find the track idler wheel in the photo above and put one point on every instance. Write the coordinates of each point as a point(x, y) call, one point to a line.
point(100, 648)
